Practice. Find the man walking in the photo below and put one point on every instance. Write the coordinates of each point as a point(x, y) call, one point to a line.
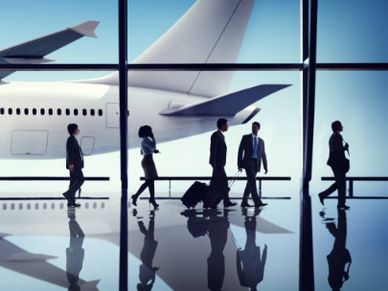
point(219, 181)
point(339, 165)
point(75, 163)
point(250, 154)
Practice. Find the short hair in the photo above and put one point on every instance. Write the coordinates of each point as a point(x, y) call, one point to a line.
point(221, 122)
point(256, 123)
point(145, 131)
point(335, 125)
point(72, 128)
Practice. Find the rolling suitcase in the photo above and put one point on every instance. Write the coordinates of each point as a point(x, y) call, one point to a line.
point(196, 193)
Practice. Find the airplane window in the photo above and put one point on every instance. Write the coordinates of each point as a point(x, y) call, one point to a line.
point(92, 112)
point(1, 110)
point(100, 112)
point(20, 206)
point(26, 111)
point(59, 111)
point(42, 111)
point(75, 111)
point(9, 111)
point(50, 111)
point(34, 111)
point(18, 111)
point(84, 112)
point(67, 111)
point(4, 206)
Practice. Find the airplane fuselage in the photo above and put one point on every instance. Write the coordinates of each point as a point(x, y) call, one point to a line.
point(34, 117)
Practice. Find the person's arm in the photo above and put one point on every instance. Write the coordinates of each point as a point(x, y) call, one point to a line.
point(264, 157)
point(72, 151)
point(214, 141)
point(240, 154)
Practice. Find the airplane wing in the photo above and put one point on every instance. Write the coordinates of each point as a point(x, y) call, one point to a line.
point(227, 105)
point(34, 51)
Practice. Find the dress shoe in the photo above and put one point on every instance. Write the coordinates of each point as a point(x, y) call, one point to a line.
point(343, 207)
point(73, 205)
point(321, 198)
point(134, 199)
point(245, 204)
point(260, 204)
point(154, 204)
point(229, 204)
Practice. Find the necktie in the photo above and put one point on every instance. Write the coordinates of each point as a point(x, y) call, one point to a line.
point(254, 147)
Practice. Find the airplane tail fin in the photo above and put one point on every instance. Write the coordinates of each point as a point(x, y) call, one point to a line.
point(227, 105)
point(209, 32)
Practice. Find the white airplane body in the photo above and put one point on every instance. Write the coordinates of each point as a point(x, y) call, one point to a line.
point(177, 104)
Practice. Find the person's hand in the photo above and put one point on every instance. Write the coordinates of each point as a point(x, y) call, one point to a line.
point(240, 169)
point(346, 147)
point(71, 168)
point(156, 151)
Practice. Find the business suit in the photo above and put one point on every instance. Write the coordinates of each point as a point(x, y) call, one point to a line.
point(252, 164)
point(219, 180)
point(74, 157)
point(337, 161)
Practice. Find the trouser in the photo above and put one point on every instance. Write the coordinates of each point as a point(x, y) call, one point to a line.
point(219, 184)
point(251, 188)
point(339, 184)
point(76, 181)
point(151, 187)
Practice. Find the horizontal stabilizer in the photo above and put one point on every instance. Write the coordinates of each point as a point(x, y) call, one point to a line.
point(227, 105)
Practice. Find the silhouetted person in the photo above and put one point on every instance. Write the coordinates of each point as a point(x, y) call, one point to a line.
point(339, 165)
point(219, 181)
point(217, 229)
point(74, 163)
point(250, 261)
point(339, 259)
point(250, 154)
point(74, 253)
point(146, 269)
point(147, 149)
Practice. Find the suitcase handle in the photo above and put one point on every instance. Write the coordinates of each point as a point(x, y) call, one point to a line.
point(230, 184)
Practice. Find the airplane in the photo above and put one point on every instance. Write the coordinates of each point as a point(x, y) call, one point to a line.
point(177, 104)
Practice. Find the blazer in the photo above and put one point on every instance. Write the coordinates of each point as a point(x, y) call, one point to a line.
point(217, 149)
point(337, 151)
point(74, 153)
point(245, 152)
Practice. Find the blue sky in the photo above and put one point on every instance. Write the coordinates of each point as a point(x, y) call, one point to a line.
point(348, 31)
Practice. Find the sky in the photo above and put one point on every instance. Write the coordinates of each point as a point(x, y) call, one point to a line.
point(348, 31)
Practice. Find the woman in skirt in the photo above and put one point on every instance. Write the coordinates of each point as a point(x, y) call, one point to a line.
point(147, 148)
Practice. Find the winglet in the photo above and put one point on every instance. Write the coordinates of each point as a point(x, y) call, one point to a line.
point(87, 28)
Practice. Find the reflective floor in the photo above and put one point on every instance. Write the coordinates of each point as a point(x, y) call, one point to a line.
point(45, 246)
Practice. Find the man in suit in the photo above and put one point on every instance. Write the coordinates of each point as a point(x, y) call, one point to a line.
point(250, 154)
point(75, 163)
point(219, 181)
point(339, 165)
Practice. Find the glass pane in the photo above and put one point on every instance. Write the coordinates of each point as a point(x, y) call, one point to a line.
point(23, 21)
point(242, 31)
point(358, 100)
point(352, 31)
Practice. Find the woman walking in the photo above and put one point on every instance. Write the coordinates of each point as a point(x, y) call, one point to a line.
point(147, 149)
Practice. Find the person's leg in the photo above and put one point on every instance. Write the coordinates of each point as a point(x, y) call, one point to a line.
point(251, 177)
point(341, 182)
point(78, 181)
